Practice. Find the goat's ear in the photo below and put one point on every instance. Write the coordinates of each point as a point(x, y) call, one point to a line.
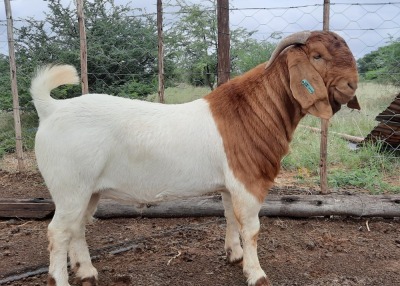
point(307, 85)
point(353, 103)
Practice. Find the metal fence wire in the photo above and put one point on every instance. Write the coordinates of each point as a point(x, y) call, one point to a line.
point(123, 61)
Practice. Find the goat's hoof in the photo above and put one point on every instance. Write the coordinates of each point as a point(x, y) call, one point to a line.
point(51, 281)
point(233, 260)
point(89, 281)
point(263, 281)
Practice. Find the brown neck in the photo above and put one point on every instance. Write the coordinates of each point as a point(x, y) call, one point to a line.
point(256, 116)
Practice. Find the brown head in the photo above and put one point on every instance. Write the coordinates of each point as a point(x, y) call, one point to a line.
point(322, 71)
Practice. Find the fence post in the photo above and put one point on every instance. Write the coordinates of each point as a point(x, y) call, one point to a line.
point(161, 84)
point(223, 41)
point(83, 46)
point(14, 88)
point(324, 123)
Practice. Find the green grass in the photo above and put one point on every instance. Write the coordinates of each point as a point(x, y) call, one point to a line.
point(181, 94)
point(368, 167)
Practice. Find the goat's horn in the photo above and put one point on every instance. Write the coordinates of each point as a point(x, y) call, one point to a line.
point(296, 38)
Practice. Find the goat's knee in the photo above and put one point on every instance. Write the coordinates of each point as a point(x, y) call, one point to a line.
point(251, 265)
point(233, 249)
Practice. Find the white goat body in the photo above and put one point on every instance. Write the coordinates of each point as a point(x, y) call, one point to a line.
point(130, 149)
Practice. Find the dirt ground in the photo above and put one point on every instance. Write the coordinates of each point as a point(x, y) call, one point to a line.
point(189, 251)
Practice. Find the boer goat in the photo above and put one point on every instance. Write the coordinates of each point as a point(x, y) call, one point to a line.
point(231, 141)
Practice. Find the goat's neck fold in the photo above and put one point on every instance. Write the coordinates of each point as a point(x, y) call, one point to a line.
point(256, 116)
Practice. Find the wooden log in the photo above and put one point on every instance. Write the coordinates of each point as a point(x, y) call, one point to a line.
point(338, 205)
point(26, 208)
point(387, 206)
point(284, 206)
point(350, 138)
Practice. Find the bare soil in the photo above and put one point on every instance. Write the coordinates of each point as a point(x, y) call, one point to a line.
point(190, 251)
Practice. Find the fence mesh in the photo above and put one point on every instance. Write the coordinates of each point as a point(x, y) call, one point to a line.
point(123, 59)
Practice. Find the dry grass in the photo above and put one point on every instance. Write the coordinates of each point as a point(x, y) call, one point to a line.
point(9, 162)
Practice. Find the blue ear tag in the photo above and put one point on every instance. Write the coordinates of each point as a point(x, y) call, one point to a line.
point(307, 85)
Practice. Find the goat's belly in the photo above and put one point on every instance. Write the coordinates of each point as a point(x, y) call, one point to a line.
point(157, 188)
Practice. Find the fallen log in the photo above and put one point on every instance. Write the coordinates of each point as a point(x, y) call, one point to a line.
point(350, 138)
point(26, 208)
point(274, 205)
point(387, 206)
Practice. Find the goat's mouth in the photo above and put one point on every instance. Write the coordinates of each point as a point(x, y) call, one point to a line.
point(337, 98)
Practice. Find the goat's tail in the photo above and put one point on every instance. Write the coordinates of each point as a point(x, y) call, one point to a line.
point(46, 79)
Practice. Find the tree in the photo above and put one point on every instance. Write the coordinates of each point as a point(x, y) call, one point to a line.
point(382, 65)
point(192, 42)
point(5, 84)
point(122, 48)
point(248, 54)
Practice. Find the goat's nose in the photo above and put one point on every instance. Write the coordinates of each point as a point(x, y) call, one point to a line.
point(352, 85)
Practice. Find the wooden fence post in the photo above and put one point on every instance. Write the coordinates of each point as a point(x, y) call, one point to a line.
point(223, 41)
point(324, 123)
point(14, 88)
point(161, 83)
point(83, 46)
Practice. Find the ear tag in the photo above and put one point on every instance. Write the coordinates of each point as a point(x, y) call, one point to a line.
point(307, 85)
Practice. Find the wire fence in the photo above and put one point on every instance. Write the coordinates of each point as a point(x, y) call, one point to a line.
point(123, 60)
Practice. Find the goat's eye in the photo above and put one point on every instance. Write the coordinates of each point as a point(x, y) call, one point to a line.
point(317, 56)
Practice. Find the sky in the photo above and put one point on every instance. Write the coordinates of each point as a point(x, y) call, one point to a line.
point(365, 25)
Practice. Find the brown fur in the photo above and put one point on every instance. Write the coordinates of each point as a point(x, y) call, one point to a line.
point(264, 281)
point(257, 113)
point(51, 281)
point(256, 128)
point(90, 281)
point(233, 261)
point(76, 267)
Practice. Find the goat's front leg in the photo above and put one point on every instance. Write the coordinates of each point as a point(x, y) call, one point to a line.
point(233, 249)
point(246, 208)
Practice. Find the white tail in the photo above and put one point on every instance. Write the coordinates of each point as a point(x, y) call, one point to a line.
point(46, 79)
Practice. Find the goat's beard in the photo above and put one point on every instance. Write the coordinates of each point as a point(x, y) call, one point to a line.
point(334, 104)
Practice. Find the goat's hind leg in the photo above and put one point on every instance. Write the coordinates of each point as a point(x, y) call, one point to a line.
point(233, 249)
point(63, 230)
point(78, 250)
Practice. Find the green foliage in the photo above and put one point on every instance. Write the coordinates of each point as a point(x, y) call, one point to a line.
point(368, 167)
point(135, 89)
point(382, 65)
point(247, 54)
point(180, 94)
point(364, 168)
point(119, 46)
point(7, 133)
point(192, 44)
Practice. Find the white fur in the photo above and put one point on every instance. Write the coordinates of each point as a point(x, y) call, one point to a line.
point(100, 145)
point(131, 150)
